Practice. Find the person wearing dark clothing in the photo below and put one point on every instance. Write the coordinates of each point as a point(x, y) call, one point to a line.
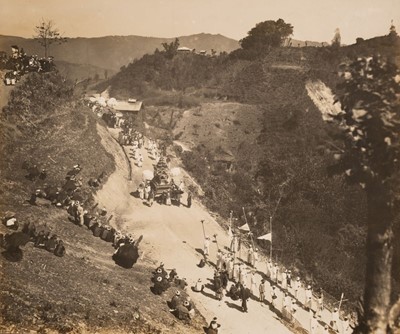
point(189, 200)
point(244, 296)
point(60, 249)
point(51, 244)
point(213, 327)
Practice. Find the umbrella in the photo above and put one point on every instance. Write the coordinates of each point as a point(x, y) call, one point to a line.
point(111, 102)
point(101, 101)
point(148, 175)
point(175, 171)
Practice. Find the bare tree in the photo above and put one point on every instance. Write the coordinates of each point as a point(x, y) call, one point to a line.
point(47, 34)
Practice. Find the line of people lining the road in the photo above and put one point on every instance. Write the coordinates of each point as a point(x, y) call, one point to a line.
point(284, 293)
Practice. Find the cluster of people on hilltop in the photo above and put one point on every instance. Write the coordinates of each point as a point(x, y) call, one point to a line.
point(19, 63)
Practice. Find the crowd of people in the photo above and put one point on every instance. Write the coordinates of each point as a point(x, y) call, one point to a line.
point(19, 63)
point(180, 304)
point(237, 279)
point(30, 232)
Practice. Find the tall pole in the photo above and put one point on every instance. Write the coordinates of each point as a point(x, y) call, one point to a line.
point(202, 224)
point(270, 231)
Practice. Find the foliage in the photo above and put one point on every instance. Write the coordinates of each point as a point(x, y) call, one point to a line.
point(171, 49)
point(47, 34)
point(370, 119)
point(267, 34)
point(371, 122)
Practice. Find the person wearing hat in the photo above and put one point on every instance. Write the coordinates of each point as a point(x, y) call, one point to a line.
point(256, 257)
point(274, 275)
point(261, 290)
point(253, 283)
point(213, 327)
point(189, 200)
point(274, 297)
point(219, 259)
point(308, 297)
point(250, 256)
point(175, 300)
point(244, 296)
point(284, 279)
point(60, 249)
point(269, 268)
point(206, 249)
point(51, 244)
point(294, 309)
point(199, 286)
point(346, 326)
point(218, 286)
point(190, 307)
point(313, 323)
point(79, 214)
point(320, 302)
point(335, 319)
point(289, 278)
point(296, 287)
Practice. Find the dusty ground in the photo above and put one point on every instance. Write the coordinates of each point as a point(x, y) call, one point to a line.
point(174, 235)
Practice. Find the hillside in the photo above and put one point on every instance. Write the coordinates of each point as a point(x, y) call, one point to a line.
point(84, 291)
point(74, 71)
point(112, 52)
point(272, 133)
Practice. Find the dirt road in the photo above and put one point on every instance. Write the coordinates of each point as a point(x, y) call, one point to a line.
point(174, 235)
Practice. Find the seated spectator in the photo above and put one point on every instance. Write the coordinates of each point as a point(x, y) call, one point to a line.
point(51, 244)
point(60, 249)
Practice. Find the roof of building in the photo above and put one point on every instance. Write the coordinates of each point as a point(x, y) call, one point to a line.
point(128, 106)
point(184, 48)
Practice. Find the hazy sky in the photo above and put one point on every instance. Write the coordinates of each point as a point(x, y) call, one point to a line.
point(312, 19)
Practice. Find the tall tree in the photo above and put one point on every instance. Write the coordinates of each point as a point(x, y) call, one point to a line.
point(47, 34)
point(337, 39)
point(171, 49)
point(267, 34)
point(370, 120)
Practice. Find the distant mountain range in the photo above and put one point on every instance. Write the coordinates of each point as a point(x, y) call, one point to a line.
point(112, 52)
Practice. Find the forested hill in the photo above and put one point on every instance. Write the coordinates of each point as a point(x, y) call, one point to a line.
point(112, 52)
point(280, 139)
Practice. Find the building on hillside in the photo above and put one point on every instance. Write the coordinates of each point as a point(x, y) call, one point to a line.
point(184, 49)
point(127, 107)
point(224, 159)
point(131, 109)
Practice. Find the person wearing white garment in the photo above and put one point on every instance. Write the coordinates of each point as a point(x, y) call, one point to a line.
point(206, 250)
point(335, 319)
point(284, 280)
point(253, 283)
point(296, 287)
point(229, 266)
point(308, 297)
point(255, 258)
point(313, 324)
point(274, 297)
point(269, 268)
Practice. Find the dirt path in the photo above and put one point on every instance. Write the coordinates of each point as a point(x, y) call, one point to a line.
point(174, 236)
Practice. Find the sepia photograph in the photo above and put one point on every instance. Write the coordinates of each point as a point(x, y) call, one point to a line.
point(200, 167)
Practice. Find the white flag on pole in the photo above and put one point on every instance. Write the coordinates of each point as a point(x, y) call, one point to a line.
point(267, 236)
point(245, 227)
